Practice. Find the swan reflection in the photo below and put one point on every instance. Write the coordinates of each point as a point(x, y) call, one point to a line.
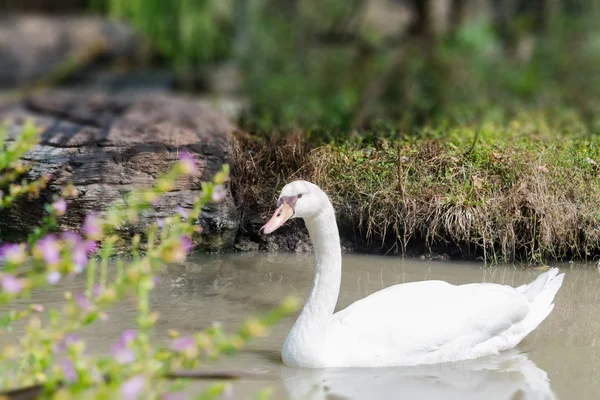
point(506, 376)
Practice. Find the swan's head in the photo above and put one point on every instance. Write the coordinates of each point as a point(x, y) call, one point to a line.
point(298, 199)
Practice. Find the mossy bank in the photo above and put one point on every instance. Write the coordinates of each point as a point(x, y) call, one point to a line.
point(524, 190)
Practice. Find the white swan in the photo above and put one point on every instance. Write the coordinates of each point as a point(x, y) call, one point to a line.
point(407, 324)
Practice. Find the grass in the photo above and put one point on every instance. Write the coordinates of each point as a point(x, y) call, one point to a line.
point(524, 190)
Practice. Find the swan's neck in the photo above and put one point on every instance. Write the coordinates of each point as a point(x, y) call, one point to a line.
point(320, 305)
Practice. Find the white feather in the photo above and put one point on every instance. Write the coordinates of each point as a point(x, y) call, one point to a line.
point(408, 324)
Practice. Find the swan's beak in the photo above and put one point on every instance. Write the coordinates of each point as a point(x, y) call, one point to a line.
point(282, 214)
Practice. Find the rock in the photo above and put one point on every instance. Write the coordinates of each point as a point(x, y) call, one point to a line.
point(109, 144)
point(33, 46)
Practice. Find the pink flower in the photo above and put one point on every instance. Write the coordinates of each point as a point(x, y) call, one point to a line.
point(131, 388)
point(183, 343)
point(13, 253)
point(83, 302)
point(182, 211)
point(128, 335)
point(183, 247)
point(92, 228)
point(90, 246)
point(79, 256)
point(120, 351)
point(173, 396)
point(68, 370)
point(63, 343)
point(48, 248)
point(188, 163)
point(59, 206)
point(122, 355)
point(70, 237)
point(53, 277)
point(10, 284)
point(218, 193)
point(37, 308)
point(185, 243)
point(96, 290)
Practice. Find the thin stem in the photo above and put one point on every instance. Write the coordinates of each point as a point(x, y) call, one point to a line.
point(91, 278)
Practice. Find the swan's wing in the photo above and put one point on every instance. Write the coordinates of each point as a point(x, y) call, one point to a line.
point(425, 321)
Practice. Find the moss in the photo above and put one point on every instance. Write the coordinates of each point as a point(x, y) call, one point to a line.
point(523, 191)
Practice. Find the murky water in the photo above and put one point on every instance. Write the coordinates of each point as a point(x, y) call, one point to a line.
point(560, 359)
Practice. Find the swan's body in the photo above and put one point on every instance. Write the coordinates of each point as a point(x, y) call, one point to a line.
point(408, 324)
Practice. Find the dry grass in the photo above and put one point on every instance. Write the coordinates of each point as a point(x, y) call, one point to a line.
point(262, 166)
point(515, 198)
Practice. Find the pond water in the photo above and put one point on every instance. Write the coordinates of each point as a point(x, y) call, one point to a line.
point(560, 359)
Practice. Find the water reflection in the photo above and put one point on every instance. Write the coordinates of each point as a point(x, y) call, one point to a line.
point(507, 376)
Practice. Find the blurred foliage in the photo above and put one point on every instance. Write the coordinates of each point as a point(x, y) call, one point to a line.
point(315, 65)
point(187, 32)
point(46, 359)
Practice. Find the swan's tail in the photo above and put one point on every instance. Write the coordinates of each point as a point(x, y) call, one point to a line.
point(533, 289)
point(540, 294)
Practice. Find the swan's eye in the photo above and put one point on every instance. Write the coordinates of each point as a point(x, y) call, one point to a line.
point(300, 196)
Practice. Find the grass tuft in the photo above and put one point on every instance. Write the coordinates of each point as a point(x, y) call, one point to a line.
point(520, 192)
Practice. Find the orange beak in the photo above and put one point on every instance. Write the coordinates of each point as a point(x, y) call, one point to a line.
point(281, 214)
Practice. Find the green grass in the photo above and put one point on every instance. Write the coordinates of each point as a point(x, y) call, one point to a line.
point(525, 190)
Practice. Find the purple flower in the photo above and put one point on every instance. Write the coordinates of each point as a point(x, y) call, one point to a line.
point(90, 246)
point(182, 211)
point(179, 251)
point(37, 308)
point(53, 277)
point(96, 290)
point(48, 248)
point(183, 343)
point(160, 223)
point(68, 370)
point(188, 163)
point(71, 237)
point(131, 388)
point(10, 284)
point(62, 344)
point(122, 354)
point(60, 206)
point(173, 396)
point(83, 302)
point(78, 268)
point(128, 335)
point(79, 256)
point(185, 243)
point(218, 193)
point(13, 253)
point(92, 227)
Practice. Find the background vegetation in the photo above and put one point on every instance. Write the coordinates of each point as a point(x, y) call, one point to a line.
point(334, 66)
point(464, 123)
point(425, 120)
